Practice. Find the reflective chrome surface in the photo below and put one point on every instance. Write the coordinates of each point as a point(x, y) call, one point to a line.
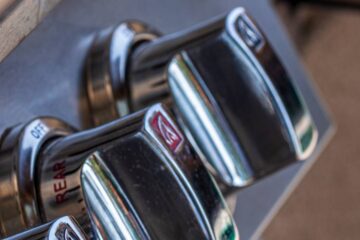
point(61, 162)
point(230, 93)
point(149, 184)
point(64, 228)
point(134, 178)
point(284, 94)
point(203, 121)
point(19, 150)
point(59, 72)
point(106, 82)
point(199, 183)
point(108, 213)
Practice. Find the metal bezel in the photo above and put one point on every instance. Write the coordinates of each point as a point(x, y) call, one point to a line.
point(107, 66)
point(25, 146)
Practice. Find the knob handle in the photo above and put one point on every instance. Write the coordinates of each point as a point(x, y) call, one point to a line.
point(231, 95)
point(151, 185)
point(136, 177)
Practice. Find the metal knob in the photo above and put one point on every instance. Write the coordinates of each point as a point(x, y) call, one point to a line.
point(229, 91)
point(134, 178)
point(64, 228)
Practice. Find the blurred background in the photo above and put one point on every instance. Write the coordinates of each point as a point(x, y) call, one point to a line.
point(326, 203)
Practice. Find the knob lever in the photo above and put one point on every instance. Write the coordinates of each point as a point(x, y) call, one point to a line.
point(228, 89)
point(150, 184)
point(134, 178)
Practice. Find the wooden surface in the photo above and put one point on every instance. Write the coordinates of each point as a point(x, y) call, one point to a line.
point(18, 18)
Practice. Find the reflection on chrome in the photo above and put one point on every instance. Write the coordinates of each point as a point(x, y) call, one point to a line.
point(106, 209)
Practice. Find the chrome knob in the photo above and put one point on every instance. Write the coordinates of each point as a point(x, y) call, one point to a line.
point(229, 91)
point(133, 178)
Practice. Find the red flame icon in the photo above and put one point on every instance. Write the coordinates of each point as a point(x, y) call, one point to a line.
point(167, 132)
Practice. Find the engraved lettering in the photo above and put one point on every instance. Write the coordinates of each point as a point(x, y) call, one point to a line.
point(59, 185)
point(38, 131)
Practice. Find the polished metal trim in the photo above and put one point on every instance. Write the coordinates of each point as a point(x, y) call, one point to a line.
point(107, 69)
